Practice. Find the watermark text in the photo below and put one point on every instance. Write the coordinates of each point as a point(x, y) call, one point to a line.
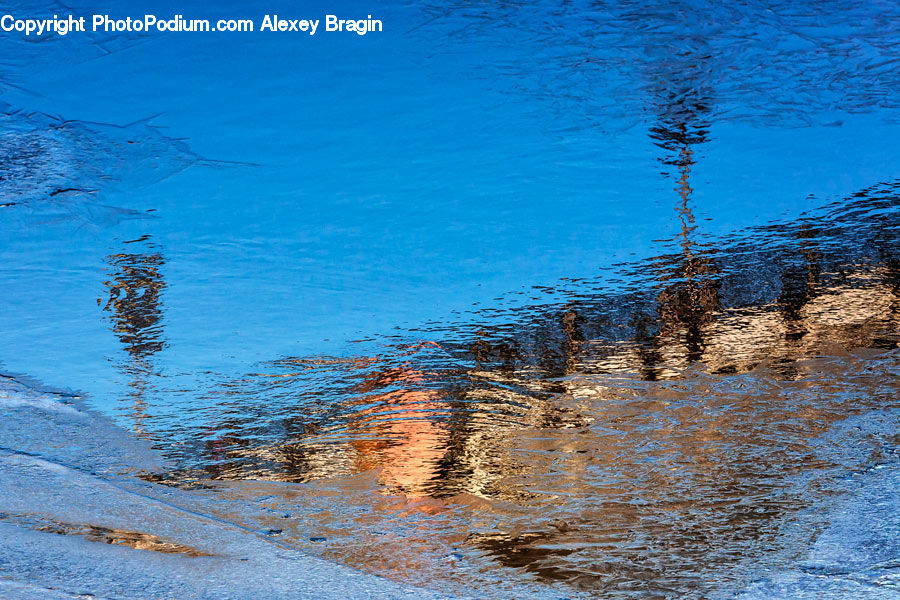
point(65, 25)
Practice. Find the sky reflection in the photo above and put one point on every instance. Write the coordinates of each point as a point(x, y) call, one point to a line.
point(573, 288)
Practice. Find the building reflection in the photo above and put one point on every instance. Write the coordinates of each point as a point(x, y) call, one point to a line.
point(640, 442)
point(617, 430)
point(399, 428)
point(134, 290)
point(613, 428)
point(425, 432)
point(603, 422)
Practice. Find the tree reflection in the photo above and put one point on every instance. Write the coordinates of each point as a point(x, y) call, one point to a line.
point(689, 296)
point(135, 286)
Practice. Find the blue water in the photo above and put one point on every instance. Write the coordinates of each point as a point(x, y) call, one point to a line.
point(183, 211)
point(387, 180)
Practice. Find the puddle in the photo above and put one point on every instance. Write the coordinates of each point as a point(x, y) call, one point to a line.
point(584, 300)
point(639, 444)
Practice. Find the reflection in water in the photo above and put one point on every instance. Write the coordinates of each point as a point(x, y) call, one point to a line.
point(658, 439)
point(655, 442)
point(690, 293)
point(777, 62)
point(400, 431)
point(757, 289)
point(135, 287)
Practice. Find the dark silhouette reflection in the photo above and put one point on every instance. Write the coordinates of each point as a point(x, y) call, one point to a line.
point(772, 294)
point(135, 287)
point(598, 431)
point(649, 442)
point(601, 426)
point(773, 62)
point(689, 295)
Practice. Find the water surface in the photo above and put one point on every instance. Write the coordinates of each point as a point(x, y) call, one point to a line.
point(578, 295)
